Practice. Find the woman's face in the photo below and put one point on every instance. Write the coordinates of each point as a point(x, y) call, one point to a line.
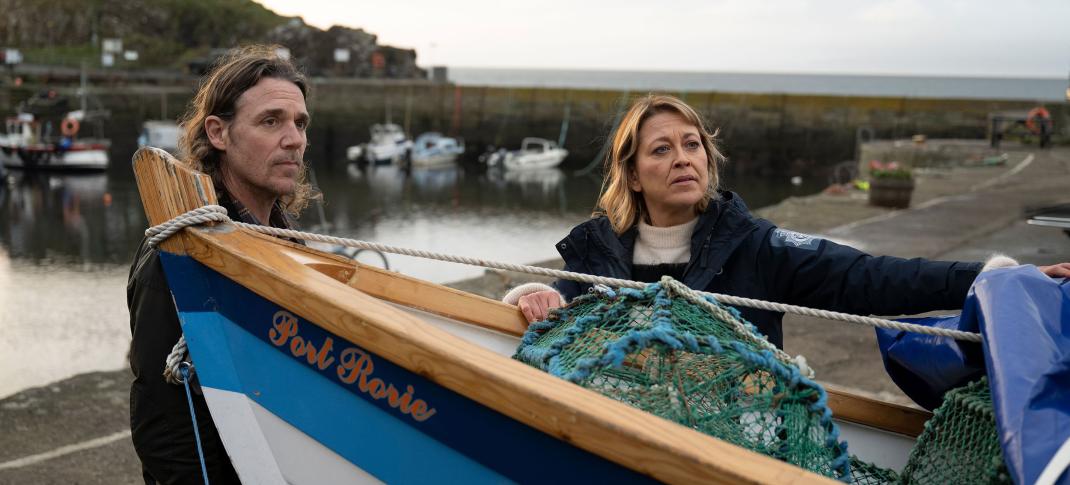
point(670, 168)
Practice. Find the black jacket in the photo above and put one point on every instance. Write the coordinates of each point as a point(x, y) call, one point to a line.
point(160, 423)
point(735, 253)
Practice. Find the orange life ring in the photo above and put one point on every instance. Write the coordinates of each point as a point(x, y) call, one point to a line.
point(69, 127)
point(1034, 115)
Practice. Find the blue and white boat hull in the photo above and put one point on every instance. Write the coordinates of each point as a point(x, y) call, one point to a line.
point(286, 394)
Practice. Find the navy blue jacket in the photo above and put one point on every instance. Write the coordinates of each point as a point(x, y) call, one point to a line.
point(735, 253)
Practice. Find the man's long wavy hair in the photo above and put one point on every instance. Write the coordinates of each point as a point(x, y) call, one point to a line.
point(624, 207)
point(232, 75)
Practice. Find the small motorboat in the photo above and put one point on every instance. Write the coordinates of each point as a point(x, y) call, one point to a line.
point(534, 153)
point(388, 144)
point(435, 150)
point(46, 134)
point(28, 145)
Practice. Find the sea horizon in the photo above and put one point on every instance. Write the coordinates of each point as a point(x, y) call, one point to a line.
point(1040, 89)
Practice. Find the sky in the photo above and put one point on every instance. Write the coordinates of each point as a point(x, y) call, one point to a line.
point(1003, 38)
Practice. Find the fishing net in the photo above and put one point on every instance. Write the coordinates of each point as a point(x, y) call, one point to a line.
point(685, 358)
point(863, 473)
point(682, 356)
point(960, 445)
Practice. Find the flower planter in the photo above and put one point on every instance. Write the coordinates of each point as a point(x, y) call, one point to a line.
point(891, 192)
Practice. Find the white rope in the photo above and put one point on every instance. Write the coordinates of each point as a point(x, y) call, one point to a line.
point(209, 213)
point(217, 213)
point(171, 372)
point(586, 278)
point(159, 233)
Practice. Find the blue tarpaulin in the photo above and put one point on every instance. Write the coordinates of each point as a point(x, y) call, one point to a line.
point(1024, 318)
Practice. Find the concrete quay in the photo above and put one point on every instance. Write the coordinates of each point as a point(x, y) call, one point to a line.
point(77, 431)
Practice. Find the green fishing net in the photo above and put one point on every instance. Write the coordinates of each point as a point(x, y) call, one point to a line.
point(960, 443)
point(863, 473)
point(686, 358)
point(693, 362)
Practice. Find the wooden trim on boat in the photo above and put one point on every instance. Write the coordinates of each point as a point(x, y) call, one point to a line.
point(877, 414)
point(415, 293)
point(155, 169)
point(441, 300)
point(632, 438)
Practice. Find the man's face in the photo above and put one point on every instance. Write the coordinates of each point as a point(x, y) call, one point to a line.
point(264, 144)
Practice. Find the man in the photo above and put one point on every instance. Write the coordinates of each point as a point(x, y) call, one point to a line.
point(246, 128)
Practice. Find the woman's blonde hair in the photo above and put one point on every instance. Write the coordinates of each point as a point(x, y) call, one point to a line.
point(623, 206)
point(236, 72)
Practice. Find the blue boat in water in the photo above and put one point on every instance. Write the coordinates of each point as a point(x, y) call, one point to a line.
point(318, 369)
point(435, 150)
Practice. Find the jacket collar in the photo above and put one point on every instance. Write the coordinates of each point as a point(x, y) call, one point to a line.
point(725, 224)
point(237, 211)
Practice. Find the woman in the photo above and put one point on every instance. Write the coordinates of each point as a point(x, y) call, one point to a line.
point(660, 213)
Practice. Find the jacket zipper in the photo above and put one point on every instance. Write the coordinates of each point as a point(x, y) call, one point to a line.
point(704, 258)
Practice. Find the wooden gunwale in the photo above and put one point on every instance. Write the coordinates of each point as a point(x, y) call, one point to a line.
point(882, 415)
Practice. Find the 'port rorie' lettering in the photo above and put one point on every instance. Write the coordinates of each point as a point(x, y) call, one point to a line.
point(355, 366)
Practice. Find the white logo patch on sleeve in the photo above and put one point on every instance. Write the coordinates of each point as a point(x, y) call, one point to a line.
point(786, 238)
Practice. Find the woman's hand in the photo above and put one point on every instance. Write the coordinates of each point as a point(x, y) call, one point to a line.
point(536, 306)
point(1061, 270)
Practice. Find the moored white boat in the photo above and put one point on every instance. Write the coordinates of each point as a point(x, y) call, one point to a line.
point(534, 154)
point(388, 144)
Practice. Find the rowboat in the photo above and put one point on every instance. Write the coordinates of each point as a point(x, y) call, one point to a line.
point(320, 369)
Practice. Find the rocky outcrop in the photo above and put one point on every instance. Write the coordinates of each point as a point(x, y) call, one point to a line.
point(185, 34)
point(315, 50)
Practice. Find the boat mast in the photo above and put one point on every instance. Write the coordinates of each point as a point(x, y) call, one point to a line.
point(82, 89)
point(563, 132)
